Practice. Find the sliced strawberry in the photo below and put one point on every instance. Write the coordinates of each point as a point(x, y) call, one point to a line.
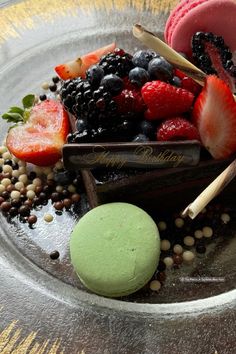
point(78, 67)
point(41, 139)
point(164, 100)
point(177, 128)
point(214, 114)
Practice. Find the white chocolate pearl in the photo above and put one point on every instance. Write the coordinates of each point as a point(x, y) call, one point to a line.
point(23, 178)
point(50, 176)
point(47, 170)
point(48, 217)
point(188, 256)
point(5, 182)
point(22, 163)
point(22, 170)
point(207, 231)
point(225, 218)
point(19, 185)
point(162, 225)
point(189, 241)
point(15, 159)
point(179, 222)
point(7, 169)
point(1, 161)
point(15, 195)
point(71, 188)
point(30, 194)
point(6, 155)
point(155, 285)
point(3, 149)
point(38, 170)
point(198, 234)
point(59, 165)
point(31, 187)
point(2, 188)
point(59, 189)
point(37, 181)
point(165, 245)
point(15, 173)
point(45, 85)
point(178, 249)
point(168, 262)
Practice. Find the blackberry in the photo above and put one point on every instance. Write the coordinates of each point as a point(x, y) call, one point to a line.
point(213, 56)
point(117, 62)
point(68, 92)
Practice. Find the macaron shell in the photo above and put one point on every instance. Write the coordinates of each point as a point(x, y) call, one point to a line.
point(115, 249)
point(209, 16)
point(177, 14)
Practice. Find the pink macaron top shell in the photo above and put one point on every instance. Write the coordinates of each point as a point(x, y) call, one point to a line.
point(177, 14)
point(216, 16)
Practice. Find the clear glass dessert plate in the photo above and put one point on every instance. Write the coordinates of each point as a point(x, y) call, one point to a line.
point(45, 295)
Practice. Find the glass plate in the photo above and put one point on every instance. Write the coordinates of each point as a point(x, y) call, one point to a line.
point(53, 310)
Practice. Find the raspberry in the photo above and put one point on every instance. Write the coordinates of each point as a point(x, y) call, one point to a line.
point(187, 83)
point(129, 101)
point(164, 100)
point(177, 129)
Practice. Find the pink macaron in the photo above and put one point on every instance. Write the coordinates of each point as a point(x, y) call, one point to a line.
point(191, 16)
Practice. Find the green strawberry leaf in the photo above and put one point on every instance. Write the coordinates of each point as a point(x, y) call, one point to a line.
point(16, 110)
point(28, 101)
point(12, 117)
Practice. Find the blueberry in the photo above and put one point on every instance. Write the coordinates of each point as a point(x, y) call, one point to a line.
point(81, 125)
point(140, 138)
point(176, 81)
point(94, 75)
point(112, 83)
point(160, 69)
point(147, 128)
point(143, 57)
point(138, 76)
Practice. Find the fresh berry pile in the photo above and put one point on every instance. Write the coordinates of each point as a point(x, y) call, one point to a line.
point(126, 98)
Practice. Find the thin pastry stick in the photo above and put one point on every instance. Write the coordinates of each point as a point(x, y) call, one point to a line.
point(211, 191)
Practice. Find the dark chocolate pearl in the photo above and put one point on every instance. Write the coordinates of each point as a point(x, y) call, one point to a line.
point(36, 201)
point(14, 180)
point(28, 202)
point(5, 206)
point(13, 211)
point(32, 219)
point(24, 210)
point(15, 166)
point(47, 189)
point(177, 259)
point(67, 203)
point(8, 162)
point(75, 197)
point(5, 195)
point(16, 203)
point(58, 205)
point(53, 87)
point(38, 189)
point(55, 197)
point(32, 175)
point(1, 200)
point(54, 255)
point(200, 248)
point(43, 196)
point(65, 193)
point(161, 276)
point(161, 266)
point(55, 79)
point(42, 97)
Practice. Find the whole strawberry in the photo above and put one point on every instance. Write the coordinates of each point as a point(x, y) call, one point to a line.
point(164, 100)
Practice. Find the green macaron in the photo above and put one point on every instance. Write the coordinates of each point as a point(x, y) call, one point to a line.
point(115, 249)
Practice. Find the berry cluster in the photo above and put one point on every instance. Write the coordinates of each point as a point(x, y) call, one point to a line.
point(123, 98)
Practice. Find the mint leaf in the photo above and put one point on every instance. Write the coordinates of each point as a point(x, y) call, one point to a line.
point(16, 110)
point(28, 101)
point(12, 117)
